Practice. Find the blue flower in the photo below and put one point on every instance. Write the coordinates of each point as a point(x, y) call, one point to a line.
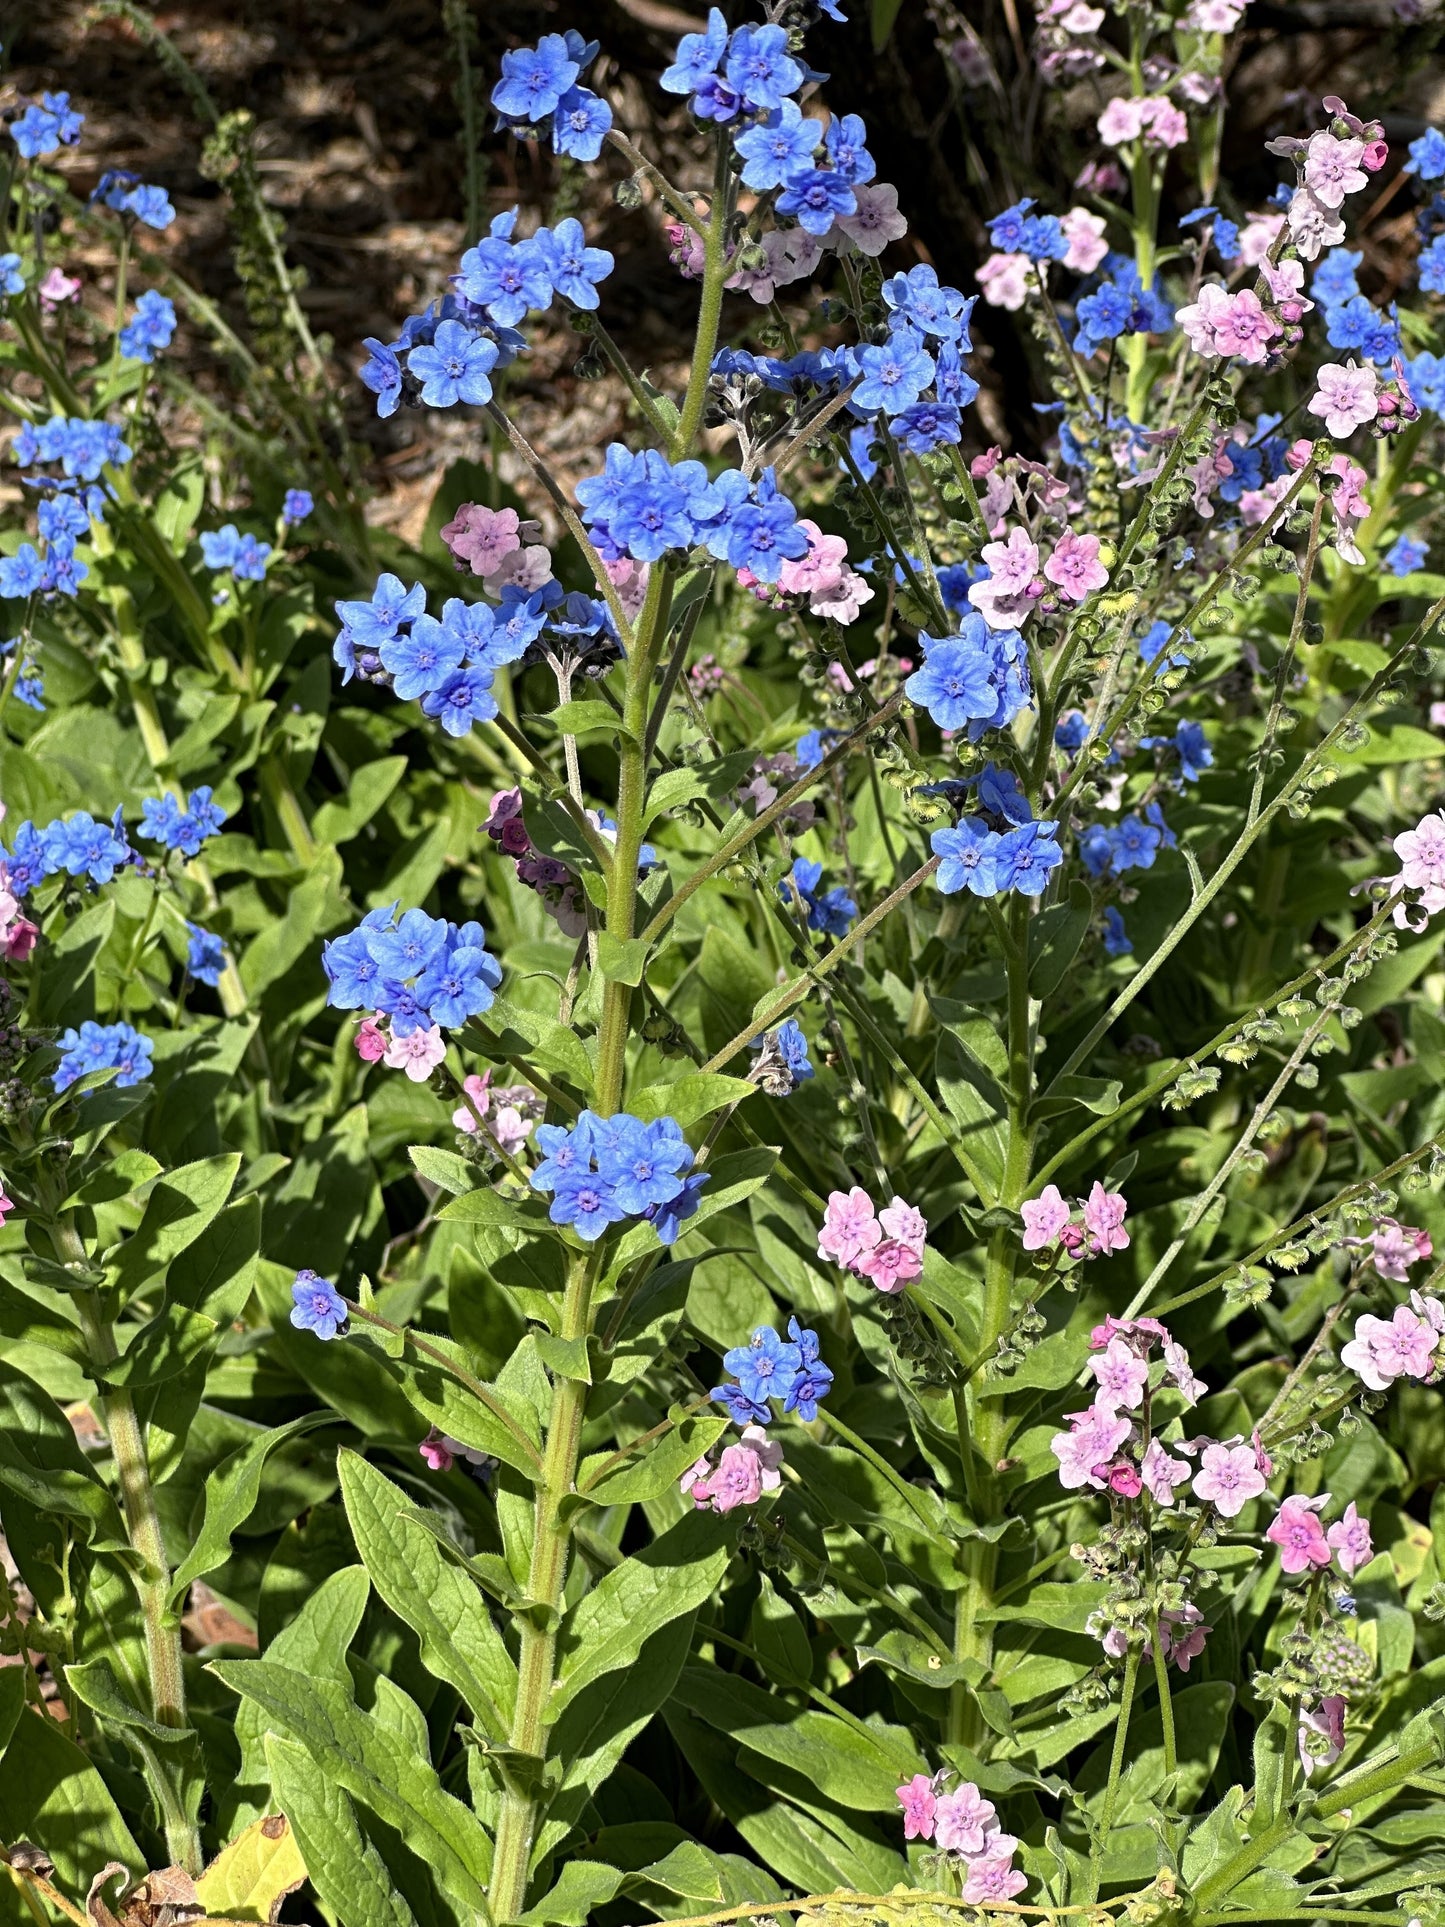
point(152, 327)
point(586, 1201)
point(778, 148)
point(760, 68)
point(455, 367)
point(573, 267)
point(741, 1409)
point(1333, 282)
point(765, 1367)
point(507, 278)
point(1432, 266)
point(421, 658)
point(1026, 856)
point(764, 533)
point(21, 574)
point(830, 911)
point(933, 309)
point(847, 153)
point(45, 127)
point(1039, 236)
point(1427, 155)
point(459, 983)
point(1071, 731)
point(317, 1306)
point(580, 124)
point(102, 1047)
point(12, 281)
point(1116, 937)
point(1152, 642)
point(463, 699)
point(817, 198)
point(297, 505)
point(668, 1219)
point(794, 1047)
point(381, 373)
point(377, 621)
point(813, 1379)
point(643, 1164)
point(955, 684)
point(894, 375)
point(93, 849)
point(697, 56)
point(1359, 324)
point(243, 555)
point(927, 425)
point(651, 517)
point(534, 79)
point(1408, 554)
point(205, 955)
point(1426, 375)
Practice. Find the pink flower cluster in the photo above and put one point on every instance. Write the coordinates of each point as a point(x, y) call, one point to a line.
point(510, 1111)
point(1237, 325)
point(1182, 1633)
point(441, 1452)
point(553, 882)
point(1331, 164)
point(791, 254)
point(822, 575)
point(1093, 1451)
point(1422, 867)
point(885, 1246)
point(1305, 1546)
point(418, 1053)
point(498, 546)
point(745, 1470)
point(1007, 280)
point(1401, 1346)
point(962, 1823)
point(1049, 1222)
point(1015, 583)
point(1151, 117)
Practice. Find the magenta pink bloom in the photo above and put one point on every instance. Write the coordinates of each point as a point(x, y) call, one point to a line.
point(1104, 1213)
point(1122, 1377)
point(1346, 397)
point(57, 286)
point(483, 538)
point(1044, 1218)
point(1395, 1247)
point(919, 1803)
point(1299, 1535)
point(436, 1450)
point(744, 1472)
point(1008, 592)
point(850, 1227)
point(1162, 1473)
point(371, 1041)
point(889, 1265)
point(1383, 1350)
point(418, 1053)
point(962, 1820)
point(1085, 1450)
point(1201, 320)
point(1074, 567)
point(1245, 327)
point(993, 1877)
point(1350, 1540)
point(1182, 1635)
point(1228, 1478)
point(20, 939)
point(1322, 1733)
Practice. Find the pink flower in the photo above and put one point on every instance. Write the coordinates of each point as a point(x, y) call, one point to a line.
point(1381, 1351)
point(1101, 177)
point(1084, 1451)
point(744, 1473)
point(919, 1803)
point(1074, 567)
point(1346, 397)
point(1285, 281)
point(1081, 19)
point(875, 221)
point(1395, 1247)
point(55, 288)
point(1084, 233)
point(1312, 225)
point(1259, 504)
point(1177, 1371)
point(1201, 319)
point(1164, 125)
point(1422, 853)
point(525, 569)
point(436, 1450)
point(962, 1820)
point(418, 1053)
point(1182, 1635)
point(850, 1227)
point(1044, 1218)
point(629, 579)
point(1104, 1213)
point(1214, 16)
point(483, 538)
point(905, 1223)
point(1350, 1539)
point(890, 1265)
point(20, 939)
point(1299, 1535)
point(1121, 121)
point(1154, 116)
point(1006, 594)
point(1005, 280)
point(1376, 153)
point(1228, 1478)
point(1123, 1478)
point(1122, 1377)
point(1332, 168)
point(1326, 1722)
point(1245, 327)
point(1257, 237)
point(993, 1877)
point(1161, 1472)
point(505, 1122)
point(371, 1040)
point(843, 602)
point(685, 250)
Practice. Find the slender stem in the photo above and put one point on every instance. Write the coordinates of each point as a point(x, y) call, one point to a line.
point(709, 311)
point(1121, 1735)
point(1166, 1701)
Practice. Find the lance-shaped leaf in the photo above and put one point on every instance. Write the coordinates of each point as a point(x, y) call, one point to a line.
point(348, 1873)
point(443, 1607)
point(231, 1494)
point(97, 1687)
point(42, 1464)
point(252, 1874)
point(179, 1209)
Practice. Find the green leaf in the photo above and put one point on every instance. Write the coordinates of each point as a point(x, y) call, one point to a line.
point(42, 1463)
point(285, 940)
point(689, 1098)
point(444, 1609)
point(608, 1626)
point(564, 1357)
point(51, 1793)
point(65, 991)
point(231, 1494)
point(450, 1172)
point(881, 16)
point(487, 1208)
point(349, 1875)
point(160, 1349)
point(376, 1765)
point(117, 1179)
point(175, 509)
point(1054, 939)
point(656, 1469)
point(345, 817)
point(622, 960)
point(969, 1070)
point(1097, 1094)
point(576, 719)
point(96, 1685)
point(583, 1886)
point(179, 1209)
point(252, 1874)
point(216, 1275)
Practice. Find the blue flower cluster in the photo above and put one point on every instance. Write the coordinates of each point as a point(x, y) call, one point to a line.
point(1427, 155)
point(1118, 305)
point(1040, 236)
point(243, 555)
point(987, 862)
point(830, 911)
point(976, 680)
point(1357, 324)
point(205, 955)
point(297, 505)
point(82, 447)
point(643, 506)
point(317, 1306)
point(420, 971)
point(1432, 266)
point(1407, 554)
point(103, 1047)
point(1426, 377)
point(1188, 745)
point(450, 662)
point(70, 502)
point(77, 846)
point(54, 568)
point(162, 820)
point(12, 279)
point(29, 689)
point(538, 92)
point(606, 1169)
point(46, 126)
point(727, 75)
point(450, 353)
point(125, 193)
point(1107, 850)
point(770, 1367)
point(150, 329)
point(1223, 232)
point(1116, 937)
